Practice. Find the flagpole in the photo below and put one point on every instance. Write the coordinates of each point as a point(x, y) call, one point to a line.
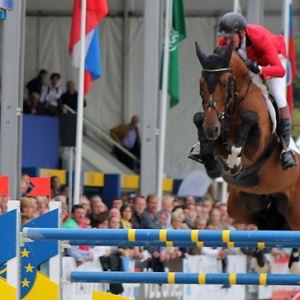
point(80, 106)
point(236, 5)
point(286, 21)
point(285, 27)
point(164, 98)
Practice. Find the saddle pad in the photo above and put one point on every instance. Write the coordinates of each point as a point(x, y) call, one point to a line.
point(256, 80)
point(272, 113)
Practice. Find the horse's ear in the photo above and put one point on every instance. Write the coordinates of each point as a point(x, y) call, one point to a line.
point(228, 53)
point(202, 57)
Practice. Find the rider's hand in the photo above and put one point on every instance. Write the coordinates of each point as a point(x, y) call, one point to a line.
point(252, 66)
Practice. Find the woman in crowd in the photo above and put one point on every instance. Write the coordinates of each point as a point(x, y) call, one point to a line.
point(126, 216)
point(28, 208)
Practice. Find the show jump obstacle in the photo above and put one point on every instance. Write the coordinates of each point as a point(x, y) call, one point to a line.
point(42, 238)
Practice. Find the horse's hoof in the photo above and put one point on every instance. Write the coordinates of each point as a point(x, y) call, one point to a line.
point(288, 159)
point(294, 264)
point(259, 262)
point(195, 153)
point(216, 172)
point(236, 170)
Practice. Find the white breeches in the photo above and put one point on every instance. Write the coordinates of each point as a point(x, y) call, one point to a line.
point(277, 86)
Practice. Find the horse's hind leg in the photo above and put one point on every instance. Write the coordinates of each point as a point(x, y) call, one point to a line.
point(294, 264)
point(234, 161)
point(260, 262)
point(213, 167)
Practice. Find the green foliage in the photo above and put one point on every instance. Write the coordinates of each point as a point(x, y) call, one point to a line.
point(296, 82)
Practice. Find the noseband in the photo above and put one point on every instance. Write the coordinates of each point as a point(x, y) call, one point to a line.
point(230, 108)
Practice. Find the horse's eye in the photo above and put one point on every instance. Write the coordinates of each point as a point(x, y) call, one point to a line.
point(224, 84)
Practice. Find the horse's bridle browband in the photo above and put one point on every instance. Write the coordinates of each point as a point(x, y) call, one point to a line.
point(216, 70)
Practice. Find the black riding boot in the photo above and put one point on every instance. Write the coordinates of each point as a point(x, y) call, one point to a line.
point(287, 156)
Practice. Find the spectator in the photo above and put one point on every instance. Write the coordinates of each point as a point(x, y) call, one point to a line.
point(177, 202)
point(206, 202)
point(176, 223)
point(151, 221)
point(64, 190)
point(51, 96)
point(189, 200)
point(84, 201)
point(101, 220)
point(42, 205)
point(114, 212)
point(117, 203)
point(3, 204)
point(212, 192)
point(28, 208)
point(162, 217)
point(77, 218)
point(33, 106)
point(64, 206)
point(139, 205)
point(97, 206)
point(200, 223)
point(199, 209)
point(128, 136)
point(149, 215)
point(126, 216)
point(55, 186)
point(167, 206)
point(113, 262)
point(70, 96)
point(37, 84)
point(215, 217)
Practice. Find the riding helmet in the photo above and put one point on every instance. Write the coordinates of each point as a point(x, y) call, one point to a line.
point(231, 23)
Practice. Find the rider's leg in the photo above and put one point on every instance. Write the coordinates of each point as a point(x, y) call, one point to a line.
point(277, 88)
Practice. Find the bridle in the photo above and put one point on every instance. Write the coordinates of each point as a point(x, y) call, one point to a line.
point(231, 106)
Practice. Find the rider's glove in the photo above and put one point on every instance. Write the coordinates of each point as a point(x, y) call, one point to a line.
point(252, 67)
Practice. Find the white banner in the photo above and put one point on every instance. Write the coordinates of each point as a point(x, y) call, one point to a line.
point(208, 264)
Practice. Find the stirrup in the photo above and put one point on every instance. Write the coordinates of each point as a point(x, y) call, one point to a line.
point(195, 153)
point(290, 162)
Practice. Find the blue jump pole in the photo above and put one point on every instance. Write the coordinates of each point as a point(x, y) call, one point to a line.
point(185, 278)
point(161, 235)
point(185, 244)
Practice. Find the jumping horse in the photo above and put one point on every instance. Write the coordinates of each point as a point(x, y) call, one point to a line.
point(238, 142)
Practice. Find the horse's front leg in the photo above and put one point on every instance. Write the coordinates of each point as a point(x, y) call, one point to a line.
point(234, 158)
point(213, 166)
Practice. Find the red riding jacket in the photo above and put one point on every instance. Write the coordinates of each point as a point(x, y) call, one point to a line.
point(263, 47)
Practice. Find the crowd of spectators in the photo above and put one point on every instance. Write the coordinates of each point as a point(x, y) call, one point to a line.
point(136, 212)
point(48, 99)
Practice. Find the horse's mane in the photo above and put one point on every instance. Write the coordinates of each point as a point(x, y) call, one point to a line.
point(219, 50)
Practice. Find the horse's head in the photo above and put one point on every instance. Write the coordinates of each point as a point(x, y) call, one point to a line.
point(217, 88)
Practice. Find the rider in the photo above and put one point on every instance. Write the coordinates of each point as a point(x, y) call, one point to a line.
point(265, 54)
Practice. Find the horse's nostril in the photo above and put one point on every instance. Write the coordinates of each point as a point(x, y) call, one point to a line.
point(216, 129)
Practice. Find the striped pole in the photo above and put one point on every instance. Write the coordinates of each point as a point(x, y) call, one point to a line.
point(184, 278)
point(161, 235)
point(199, 244)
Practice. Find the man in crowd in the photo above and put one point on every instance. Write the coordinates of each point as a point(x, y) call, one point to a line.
point(77, 218)
point(139, 205)
point(70, 96)
point(128, 136)
point(36, 84)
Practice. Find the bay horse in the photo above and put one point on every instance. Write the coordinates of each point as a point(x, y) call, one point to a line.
point(238, 143)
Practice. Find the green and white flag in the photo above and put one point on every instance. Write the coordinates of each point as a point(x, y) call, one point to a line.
point(178, 33)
